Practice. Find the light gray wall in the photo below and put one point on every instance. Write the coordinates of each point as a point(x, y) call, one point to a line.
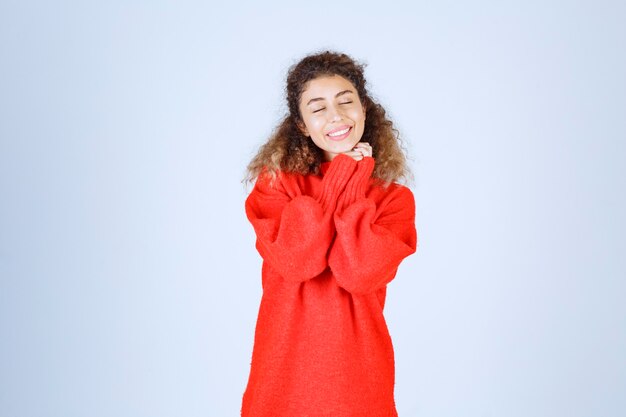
point(129, 281)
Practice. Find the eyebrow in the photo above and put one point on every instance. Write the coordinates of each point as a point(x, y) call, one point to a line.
point(336, 95)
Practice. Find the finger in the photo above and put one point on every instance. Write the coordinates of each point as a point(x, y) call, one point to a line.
point(364, 147)
point(364, 150)
point(355, 154)
point(360, 151)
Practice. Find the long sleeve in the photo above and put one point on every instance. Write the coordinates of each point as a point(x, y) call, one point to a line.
point(294, 231)
point(371, 241)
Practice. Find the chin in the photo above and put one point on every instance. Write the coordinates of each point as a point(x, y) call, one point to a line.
point(343, 147)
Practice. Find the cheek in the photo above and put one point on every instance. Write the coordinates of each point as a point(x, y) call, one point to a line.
point(309, 124)
point(357, 114)
point(315, 125)
point(360, 123)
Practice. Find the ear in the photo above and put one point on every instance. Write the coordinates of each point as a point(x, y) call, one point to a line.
point(302, 128)
point(364, 112)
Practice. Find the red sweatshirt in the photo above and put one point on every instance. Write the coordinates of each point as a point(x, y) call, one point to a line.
point(330, 245)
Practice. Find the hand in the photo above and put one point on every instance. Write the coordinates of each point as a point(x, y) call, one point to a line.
point(360, 150)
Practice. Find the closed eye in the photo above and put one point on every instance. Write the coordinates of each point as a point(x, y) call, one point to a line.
point(315, 111)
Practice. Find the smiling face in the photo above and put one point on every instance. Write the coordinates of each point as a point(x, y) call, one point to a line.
point(333, 115)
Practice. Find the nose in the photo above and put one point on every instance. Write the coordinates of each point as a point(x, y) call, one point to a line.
point(333, 113)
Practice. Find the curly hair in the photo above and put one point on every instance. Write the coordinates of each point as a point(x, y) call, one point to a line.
point(289, 150)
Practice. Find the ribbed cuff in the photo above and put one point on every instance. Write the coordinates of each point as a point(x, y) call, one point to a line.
point(335, 179)
point(359, 182)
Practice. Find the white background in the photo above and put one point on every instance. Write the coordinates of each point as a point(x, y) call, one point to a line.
point(129, 281)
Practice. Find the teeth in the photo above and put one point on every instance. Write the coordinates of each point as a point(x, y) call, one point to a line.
point(341, 132)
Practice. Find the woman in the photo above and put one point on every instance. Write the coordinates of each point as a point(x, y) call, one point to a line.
point(332, 226)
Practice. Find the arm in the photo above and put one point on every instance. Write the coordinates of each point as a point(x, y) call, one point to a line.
point(371, 242)
point(294, 233)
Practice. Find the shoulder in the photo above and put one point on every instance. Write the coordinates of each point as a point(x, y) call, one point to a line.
point(392, 191)
point(403, 196)
point(282, 183)
point(394, 200)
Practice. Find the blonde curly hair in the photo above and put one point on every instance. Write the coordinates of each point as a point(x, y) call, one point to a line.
point(289, 150)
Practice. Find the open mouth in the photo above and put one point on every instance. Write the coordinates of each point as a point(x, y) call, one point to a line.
point(340, 134)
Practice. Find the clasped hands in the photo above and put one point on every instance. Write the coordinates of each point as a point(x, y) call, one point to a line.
point(360, 150)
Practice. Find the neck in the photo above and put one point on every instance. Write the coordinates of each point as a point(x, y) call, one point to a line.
point(329, 156)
